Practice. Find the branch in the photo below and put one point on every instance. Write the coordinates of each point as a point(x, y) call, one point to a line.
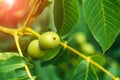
point(29, 17)
point(89, 60)
point(31, 31)
point(7, 30)
point(16, 37)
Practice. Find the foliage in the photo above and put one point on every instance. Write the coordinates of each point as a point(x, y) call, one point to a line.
point(103, 18)
point(89, 47)
point(85, 72)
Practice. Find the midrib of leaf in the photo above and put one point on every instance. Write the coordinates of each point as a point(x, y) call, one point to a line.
point(66, 14)
point(12, 65)
point(6, 68)
point(87, 71)
point(63, 13)
point(104, 18)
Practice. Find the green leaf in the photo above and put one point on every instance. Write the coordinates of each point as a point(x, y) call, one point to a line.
point(57, 56)
point(12, 63)
point(85, 72)
point(66, 14)
point(9, 75)
point(48, 72)
point(22, 78)
point(52, 53)
point(103, 18)
point(98, 58)
point(113, 69)
point(6, 55)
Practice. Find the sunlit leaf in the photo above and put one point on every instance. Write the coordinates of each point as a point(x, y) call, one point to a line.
point(66, 14)
point(6, 55)
point(85, 72)
point(12, 63)
point(22, 78)
point(103, 18)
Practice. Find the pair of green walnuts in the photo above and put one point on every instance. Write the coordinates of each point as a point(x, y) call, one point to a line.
point(47, 41)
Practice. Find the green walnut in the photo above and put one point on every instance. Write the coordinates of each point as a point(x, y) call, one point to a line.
point(34, 50)
point(49, 40)
point(80, 38)
point(88, 48)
